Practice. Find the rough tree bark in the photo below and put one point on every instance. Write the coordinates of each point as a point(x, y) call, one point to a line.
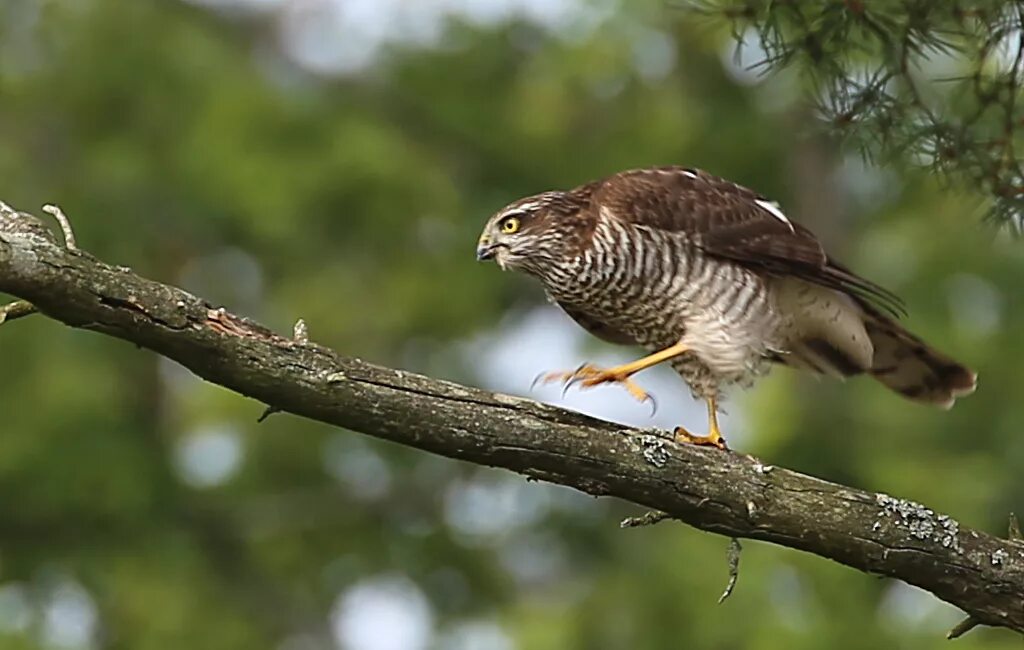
point(720, 492)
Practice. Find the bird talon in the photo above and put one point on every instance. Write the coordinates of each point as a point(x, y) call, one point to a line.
point(713, 439)
point(576, 377)
point(588, 376)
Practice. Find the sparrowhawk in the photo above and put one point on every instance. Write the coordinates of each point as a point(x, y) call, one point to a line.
point(714, 279)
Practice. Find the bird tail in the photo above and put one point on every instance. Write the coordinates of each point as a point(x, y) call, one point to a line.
point(907, 365)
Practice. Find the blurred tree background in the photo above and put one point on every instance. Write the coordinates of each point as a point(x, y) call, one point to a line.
point(334, 160)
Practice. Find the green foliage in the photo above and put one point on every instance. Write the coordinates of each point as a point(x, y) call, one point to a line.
point(187, 144)
point(936, 84)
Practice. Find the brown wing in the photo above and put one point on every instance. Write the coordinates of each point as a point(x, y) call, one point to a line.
point(730, 221)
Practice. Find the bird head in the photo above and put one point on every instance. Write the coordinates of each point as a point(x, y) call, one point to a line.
point(523, 235)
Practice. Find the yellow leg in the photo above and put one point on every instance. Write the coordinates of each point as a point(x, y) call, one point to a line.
point(714, 437)
point(588, 375)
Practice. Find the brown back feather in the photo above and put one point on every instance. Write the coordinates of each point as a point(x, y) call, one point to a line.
point(725, 220)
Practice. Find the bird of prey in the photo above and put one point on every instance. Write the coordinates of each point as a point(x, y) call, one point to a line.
point(714, 279)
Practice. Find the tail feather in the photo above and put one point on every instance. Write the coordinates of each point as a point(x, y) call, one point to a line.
point(841, 334)
point(907, 365)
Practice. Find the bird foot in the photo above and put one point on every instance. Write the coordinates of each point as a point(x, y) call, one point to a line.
point(713, 439)
point(588, 376)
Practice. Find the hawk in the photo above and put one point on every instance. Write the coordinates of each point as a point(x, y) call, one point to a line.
point(714, 279)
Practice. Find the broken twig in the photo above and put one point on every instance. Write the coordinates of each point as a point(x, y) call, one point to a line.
point(733, 556)
point(65, 225)
point(646, 519)
point(15, 310)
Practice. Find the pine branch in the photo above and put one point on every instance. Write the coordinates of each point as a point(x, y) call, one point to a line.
point(918, 83)
point(725, 493)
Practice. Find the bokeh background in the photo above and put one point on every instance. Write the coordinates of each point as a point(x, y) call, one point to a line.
point(334, 160)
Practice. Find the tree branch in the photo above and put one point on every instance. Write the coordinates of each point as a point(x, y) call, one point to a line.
point(725, 493)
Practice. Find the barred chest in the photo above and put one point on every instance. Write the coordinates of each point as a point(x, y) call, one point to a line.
point(659, 289)
point(627, 279)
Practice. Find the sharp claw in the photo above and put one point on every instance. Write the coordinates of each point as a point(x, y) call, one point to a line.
point(549, 377)
point(654, 403)
point(587, 376)
point(681, 435)
point(571, 381)
point(541, 378)
point(685, 437)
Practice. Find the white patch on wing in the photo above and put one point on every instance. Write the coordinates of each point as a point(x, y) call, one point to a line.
point(775, 211)
point(673, 171)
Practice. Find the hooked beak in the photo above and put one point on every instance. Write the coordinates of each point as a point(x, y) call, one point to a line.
point(485, 249)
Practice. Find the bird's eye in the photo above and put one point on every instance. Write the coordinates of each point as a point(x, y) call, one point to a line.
point(510, 225)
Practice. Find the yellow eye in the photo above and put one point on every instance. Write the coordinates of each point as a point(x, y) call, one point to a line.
point(510, 225)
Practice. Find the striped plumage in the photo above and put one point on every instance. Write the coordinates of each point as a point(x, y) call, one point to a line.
point(668, 256)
